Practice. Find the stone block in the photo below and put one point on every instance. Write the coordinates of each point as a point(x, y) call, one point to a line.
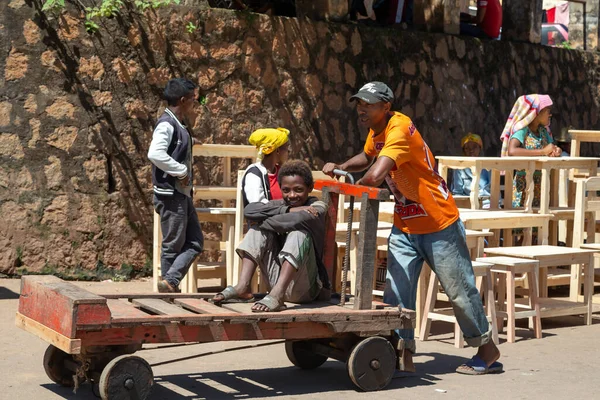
point(522, 20)
point(324, 10)
point(437, 15)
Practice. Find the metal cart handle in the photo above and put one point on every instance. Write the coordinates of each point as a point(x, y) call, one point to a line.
point(348, 175)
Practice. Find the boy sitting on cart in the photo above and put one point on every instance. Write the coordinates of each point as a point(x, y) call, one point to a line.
point(285, 239)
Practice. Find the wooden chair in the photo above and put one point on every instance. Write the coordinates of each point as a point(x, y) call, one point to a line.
point(482, 271)
point(507, 301)
point(586, 206)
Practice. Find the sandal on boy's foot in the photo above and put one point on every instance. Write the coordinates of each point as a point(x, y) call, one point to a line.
point(166, 287)
point(476, 366)
point(271, 303)
point(231, 296)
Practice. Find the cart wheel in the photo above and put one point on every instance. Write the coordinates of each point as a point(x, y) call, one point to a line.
point(126, 377)
point(54, 364)
point(301, 356)
point(372, 363)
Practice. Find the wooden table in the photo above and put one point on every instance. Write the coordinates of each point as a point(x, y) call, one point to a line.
point(549, 256)
point(579, 136)
point(478, 220)
point(496, 165)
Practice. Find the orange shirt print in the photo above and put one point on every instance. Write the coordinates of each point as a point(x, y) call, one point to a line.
point(423, 202)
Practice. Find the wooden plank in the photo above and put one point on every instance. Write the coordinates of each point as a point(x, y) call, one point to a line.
point(161, 307)
point(323, 314)
point(215, 193)
point(202, 306)
point(222, 331)
point(331, 199)
point(123, 309)
point(66, 344)
point(156, 245)
point(131, 296)
point(367, 252)
point(233, 275)
point(38, 292)
point(224, 150)
point(353, 190)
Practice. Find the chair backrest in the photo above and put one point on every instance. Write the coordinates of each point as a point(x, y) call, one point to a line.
point(587, 204)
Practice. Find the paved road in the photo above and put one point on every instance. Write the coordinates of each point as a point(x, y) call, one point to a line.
point(562, 365)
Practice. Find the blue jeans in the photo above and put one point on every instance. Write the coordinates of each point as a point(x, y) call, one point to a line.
point(447, 254)
point(182, 235)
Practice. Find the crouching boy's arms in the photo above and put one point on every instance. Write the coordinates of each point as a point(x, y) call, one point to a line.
point(304, 218)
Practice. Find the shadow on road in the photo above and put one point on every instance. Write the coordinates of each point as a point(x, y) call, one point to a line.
point(275, 382)
point(7, 294)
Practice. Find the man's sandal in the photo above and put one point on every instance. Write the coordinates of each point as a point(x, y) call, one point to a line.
point(271, 303)
point(476, 366)
point(230, 296)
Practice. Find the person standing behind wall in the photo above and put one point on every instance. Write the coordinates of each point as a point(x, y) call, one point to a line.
point(486, 23)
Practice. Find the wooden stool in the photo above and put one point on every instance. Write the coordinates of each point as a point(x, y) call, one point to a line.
point(506, 293)
point(482, 271)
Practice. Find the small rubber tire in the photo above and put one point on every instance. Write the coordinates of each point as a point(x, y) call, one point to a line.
point(372, 364)
point(299, 354)
point(54, 365)
point(126, 377)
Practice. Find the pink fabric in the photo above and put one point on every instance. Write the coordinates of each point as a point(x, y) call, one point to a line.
point(524, 111)
point(562, 14)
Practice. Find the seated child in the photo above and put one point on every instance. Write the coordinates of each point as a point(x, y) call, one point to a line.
point(286, 241)
point(462, 178)
point(527, 134)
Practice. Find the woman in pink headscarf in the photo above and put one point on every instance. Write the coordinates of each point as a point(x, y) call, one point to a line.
point(527, 134)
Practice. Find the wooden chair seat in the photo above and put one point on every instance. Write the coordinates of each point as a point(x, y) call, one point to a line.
point(510, 266)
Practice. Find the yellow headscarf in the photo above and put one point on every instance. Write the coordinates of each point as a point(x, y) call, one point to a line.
point(268, 140)
point(471, 137)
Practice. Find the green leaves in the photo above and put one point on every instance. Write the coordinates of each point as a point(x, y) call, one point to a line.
point(53, 6)
point(143, 5)
point(190, 27)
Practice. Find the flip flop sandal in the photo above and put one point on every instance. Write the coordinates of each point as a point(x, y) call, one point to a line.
point(271, 303)
point(230, 296)
point(479, 367)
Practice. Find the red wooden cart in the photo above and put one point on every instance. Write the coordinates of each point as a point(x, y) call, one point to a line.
point(93, 337)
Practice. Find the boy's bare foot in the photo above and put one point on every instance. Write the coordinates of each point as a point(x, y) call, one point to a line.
point(405, 361)
point(269, 303)
point(242, 292)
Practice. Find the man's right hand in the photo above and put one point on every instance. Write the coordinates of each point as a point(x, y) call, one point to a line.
point(329, 167)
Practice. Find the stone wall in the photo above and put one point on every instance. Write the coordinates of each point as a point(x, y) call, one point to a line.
point(77, 110)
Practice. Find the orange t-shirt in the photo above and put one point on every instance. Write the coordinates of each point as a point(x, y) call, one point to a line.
point(423, 202)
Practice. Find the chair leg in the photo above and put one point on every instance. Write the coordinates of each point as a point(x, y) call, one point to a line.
point(575, 287)
point(429, 307)
point(491, 306)
point(588, 288)
point(510, 306)
point(459, 341)
point(501, 300)
point(534, 303)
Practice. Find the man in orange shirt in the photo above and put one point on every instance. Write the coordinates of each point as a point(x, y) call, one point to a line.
point(426, 228)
